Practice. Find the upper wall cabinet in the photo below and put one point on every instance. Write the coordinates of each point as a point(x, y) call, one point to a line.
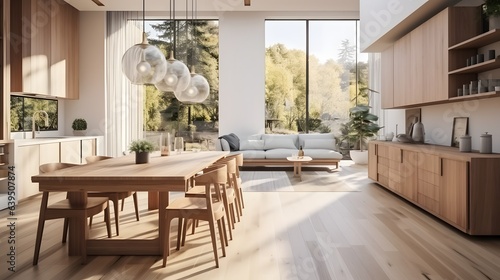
point(44, 48)
point(421, 59)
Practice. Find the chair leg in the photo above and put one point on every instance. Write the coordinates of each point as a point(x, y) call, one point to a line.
point(214, 241)
point(226, 242)
point(41, 224)
point(107, 219)
point(117, 213)
point(135, 205)
point(229, 223)
point(233, 218)
point(221, 236)
point(184, 230)
point(166, 241)
point(90, 222)
point(179, 228)
point(123, 202)
point(66, 228)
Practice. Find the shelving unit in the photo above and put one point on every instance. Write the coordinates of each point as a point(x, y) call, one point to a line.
point(459, 74)
point(5, 159)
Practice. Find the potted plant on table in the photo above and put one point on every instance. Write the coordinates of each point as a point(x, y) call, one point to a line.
point(142, 148)
point(492, 11)
point(361, 127)
point(79, 126)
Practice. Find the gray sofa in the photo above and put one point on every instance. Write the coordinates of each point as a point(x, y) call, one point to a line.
point(273, 149)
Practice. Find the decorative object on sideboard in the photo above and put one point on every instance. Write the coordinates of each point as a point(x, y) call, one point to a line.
point(166, 144)
point(492, 10)
point(141, 148)
point(418, 133)
point(485, 143)
point(465, 144)
point(460, 128)
point(79, 126)
point(410, 115)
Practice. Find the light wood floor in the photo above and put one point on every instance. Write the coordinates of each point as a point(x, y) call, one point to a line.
point(369, 234)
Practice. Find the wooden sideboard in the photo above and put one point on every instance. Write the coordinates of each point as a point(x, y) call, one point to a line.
point(462, 189)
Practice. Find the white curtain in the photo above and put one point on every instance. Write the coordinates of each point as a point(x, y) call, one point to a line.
point(124, 108)
point(374, 77)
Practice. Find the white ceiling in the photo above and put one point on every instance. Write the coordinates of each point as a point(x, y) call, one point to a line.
point(222, 5)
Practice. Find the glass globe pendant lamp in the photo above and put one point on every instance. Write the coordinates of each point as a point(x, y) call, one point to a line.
point(197, 90)
point(177, 77)
point(143, 63)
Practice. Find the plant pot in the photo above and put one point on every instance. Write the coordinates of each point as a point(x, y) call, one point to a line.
point(494, 22)
point(142, 157)
point(79, 132)
point(359, 157)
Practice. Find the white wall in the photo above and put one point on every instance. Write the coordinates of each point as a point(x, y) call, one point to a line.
point(241, 74)
point(92, 103)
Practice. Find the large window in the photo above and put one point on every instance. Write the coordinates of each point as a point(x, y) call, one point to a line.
point(195, 43)
point(24, 109)
point(314, 74)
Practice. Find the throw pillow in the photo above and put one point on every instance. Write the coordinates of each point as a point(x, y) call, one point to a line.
point(251, 145)
point(327, 144)
point(233, 140)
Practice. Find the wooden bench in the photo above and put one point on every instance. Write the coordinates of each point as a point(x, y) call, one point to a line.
point(264, 162)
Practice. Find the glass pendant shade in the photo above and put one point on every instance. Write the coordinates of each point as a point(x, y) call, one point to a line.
point(177, 77)
point(196, 92)
point(144, 63)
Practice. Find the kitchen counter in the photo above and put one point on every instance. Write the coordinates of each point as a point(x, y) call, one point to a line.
point(50, 139)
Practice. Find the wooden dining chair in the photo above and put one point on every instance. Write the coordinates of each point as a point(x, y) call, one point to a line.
point(239, 164)
point(234, 180)
point(207, 208)
point(63, 209)
point(227, 193)
point(113, 196)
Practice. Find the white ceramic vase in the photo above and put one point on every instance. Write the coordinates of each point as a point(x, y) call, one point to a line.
point(359, 157)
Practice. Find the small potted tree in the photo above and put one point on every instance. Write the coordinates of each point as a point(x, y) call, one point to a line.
point(79, 126)
point(361, 127)
point(492, 11)
point(142, 148)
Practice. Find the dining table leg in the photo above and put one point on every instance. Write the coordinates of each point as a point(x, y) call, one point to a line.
point(153, 200)
point(78, 227)
point(163, 201)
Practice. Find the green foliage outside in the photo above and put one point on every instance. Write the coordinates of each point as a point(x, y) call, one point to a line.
point(23, 108)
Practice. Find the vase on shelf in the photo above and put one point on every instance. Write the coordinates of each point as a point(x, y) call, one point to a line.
point(418, 131)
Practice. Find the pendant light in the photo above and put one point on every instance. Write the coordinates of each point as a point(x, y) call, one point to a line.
point(177, 76)
point(198, 88)
point(143, 63)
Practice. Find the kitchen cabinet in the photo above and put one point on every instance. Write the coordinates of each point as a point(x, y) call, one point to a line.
point(387, 76)
point(31, 153)
point(459, 188)
point(429, 61)
point(44, 48)
point(7, 169)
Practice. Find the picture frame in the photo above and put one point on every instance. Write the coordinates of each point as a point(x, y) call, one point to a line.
point(460, 128)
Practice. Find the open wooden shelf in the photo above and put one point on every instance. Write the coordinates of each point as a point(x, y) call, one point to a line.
point(481, 40)
point(484, 95)
point(479, 67)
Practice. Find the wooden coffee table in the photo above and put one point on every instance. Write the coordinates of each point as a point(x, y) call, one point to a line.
point(297, 165)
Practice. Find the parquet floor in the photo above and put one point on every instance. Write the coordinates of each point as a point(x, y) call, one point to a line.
point(367, 234)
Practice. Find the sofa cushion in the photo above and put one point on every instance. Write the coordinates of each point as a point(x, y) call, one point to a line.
point(322, 154)
point(303, 137)
point(327, 144)
point(280, 153)
point(254, 154)
point(232, 140)
point(251, 145)
point(275, 141)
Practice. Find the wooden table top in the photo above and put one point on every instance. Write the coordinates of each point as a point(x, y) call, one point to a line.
point(123, 174)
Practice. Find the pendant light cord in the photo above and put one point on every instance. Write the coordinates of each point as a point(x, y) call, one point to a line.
point(143, 15)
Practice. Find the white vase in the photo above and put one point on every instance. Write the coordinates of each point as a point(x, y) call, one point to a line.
point(359, 157)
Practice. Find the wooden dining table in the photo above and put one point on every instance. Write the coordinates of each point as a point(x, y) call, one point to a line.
point(160, 175)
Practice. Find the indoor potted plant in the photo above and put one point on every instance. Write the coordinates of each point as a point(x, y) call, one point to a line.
point(79, 126)
point(142, 148)
point(361, 127)
point(492, 10)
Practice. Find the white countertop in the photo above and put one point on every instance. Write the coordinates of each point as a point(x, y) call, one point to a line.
point(51, 139)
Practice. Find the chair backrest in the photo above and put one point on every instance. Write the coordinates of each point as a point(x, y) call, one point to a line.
point(231, 164)
point(214, 178)
point(92, 159)
point(239, 162)
point(49, 167)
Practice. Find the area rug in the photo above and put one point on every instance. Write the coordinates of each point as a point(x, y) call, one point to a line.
point(282, 180)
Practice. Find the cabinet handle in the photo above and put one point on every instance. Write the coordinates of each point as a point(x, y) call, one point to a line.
point(441, 166)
